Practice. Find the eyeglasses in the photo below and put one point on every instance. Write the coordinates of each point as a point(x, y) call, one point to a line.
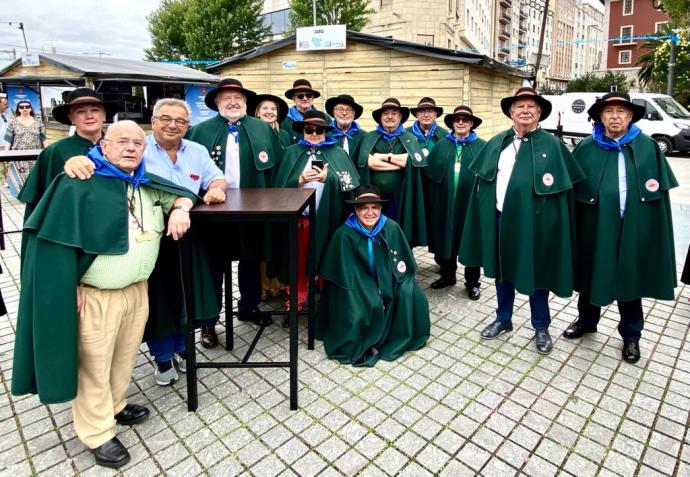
point(316, 130)
point(124, 142)
point(426, 111)
point(462, 119)
point(343, 110)
point(24, 106)
point(304, 95)
point(166, 120)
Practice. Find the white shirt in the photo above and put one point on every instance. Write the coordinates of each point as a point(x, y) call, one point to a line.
point(506, 162)
point(346, 145)
point(232, 161)
point(622, 181)
point(313, 185)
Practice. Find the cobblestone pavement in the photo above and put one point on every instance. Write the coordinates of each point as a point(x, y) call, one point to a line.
point(460, 406)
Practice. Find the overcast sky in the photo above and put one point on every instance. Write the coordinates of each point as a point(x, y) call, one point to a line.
point(115, 27)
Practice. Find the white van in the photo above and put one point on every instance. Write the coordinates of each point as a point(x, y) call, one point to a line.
point(665, 119)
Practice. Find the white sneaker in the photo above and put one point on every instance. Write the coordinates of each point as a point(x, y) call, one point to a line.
point(166, 378)
point(180, 362)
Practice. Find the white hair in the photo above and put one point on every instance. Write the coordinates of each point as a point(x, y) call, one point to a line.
point(119, 124)
point(171, 102)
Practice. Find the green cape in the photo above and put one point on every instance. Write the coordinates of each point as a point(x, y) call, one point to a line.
point(535, 249)
point(73, 223)
point(357, 311)
point(634, 257)
point(260, 156)
point(409, 195)
point(426, 147)
point(446, 206)
point(341, 180)
point(353, 143)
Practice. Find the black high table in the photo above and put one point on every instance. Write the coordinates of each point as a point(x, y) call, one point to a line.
point(267, 206)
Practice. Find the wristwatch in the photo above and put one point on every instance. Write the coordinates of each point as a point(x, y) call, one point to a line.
point(389, 158)
point(183, 208)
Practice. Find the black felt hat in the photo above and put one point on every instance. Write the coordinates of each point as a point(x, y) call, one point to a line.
point(367, 194)
point(343, 99)
point(616, 97)
point(391, 103)
point(527, 93)
point(312, 118)
point(226, 84)
point(426, 103)
point(301, 86)
point(81, 96)
point(279, 102)
point(462, 110)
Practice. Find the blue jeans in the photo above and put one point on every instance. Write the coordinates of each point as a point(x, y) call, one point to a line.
point(163, 349)
point(538, 304)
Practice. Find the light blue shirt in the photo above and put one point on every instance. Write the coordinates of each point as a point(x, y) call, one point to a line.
point(194, 168)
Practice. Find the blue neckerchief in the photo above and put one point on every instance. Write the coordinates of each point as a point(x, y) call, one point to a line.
point(106, 169)
point(417, 131)
point(328, 142)
point(609, 144)
point(392, 135)
point(353, 223)
point(232, 128)
point(354, 129)
point(295, 115)
point(464, 140)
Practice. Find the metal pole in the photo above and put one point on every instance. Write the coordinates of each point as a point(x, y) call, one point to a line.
point(541, 40)
point(313, 10)
point(671, 67)
point(21, 27)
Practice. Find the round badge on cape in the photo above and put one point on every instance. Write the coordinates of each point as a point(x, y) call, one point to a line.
point(402, 268)
point(652, 185)
point(425, 151)
point(547, 179)
point(417, 156)
point(263, 156)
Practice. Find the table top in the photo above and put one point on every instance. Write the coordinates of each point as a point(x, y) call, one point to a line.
point(26, 155)
point(270, 201)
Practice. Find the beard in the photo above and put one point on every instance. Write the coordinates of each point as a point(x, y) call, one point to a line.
point(343, 125)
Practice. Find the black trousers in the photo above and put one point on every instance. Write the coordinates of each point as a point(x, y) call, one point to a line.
point(631, 322)
point(448, 268)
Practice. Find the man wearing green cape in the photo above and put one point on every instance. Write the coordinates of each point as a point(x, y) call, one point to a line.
point(425, 129)
point(625, 245)
point(83, 304)
point(371, 307)
point(520, 220)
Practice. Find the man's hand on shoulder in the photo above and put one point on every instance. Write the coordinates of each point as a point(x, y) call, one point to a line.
point(80, 167)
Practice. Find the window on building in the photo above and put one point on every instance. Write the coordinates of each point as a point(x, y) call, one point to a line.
point(427, 40)
point(627, 7)
point(625, 57)
point(278, 22)
point(626, 33)
point(658, 26)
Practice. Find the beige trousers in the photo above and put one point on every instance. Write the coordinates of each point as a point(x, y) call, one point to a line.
point(111, 325)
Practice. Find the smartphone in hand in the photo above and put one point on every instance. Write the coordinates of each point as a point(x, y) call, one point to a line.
point(317, 163)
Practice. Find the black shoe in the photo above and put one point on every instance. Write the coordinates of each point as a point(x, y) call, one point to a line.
point(543, 341)
point(111, 454)
point(442, 283)
point(576, 330)
point(132, 414)
point(631, 351)
point(496, 329)
point(256, 316)
point(473, 293)
point(209, 338)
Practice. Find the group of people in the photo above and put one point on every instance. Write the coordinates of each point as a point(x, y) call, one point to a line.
point(536, 217)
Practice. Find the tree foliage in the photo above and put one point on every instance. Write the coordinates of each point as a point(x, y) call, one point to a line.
point(353, 13)
point(204, 29)
point(653, 74)
point(603, 83)
point(678, 10)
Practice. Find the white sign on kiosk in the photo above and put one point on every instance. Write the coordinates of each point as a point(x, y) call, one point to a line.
point(321, 37)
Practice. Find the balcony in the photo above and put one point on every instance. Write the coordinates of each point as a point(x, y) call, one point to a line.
point(504, 35)
point(522, 27)
point(523, 14)
point(505, 3)
point(521, 46)
point(504, 49)
point(505, 17)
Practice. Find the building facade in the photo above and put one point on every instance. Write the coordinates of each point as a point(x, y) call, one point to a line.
point(588, 51)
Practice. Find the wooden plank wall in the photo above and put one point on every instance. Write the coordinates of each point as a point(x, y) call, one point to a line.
point(371, 74)
point(44, 70)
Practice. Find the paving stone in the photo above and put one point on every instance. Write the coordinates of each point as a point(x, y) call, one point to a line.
point(578, 465)
point(473, 457)
point(659, 461)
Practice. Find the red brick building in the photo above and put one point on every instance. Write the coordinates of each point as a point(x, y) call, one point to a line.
point(630, 18)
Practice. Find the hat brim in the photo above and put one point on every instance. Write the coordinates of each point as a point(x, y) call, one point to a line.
point(439, 110)
point(449, 118)
point(366, 200)
point(260, 98)
point(298, 126)
point(210, 98)
point(405, 112)
point(61, 113)
point(637, 109)
point(332, 102)
point(543, 103)
point(289, 93)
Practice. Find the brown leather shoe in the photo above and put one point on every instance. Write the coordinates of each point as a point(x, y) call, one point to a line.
point(209, 338)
